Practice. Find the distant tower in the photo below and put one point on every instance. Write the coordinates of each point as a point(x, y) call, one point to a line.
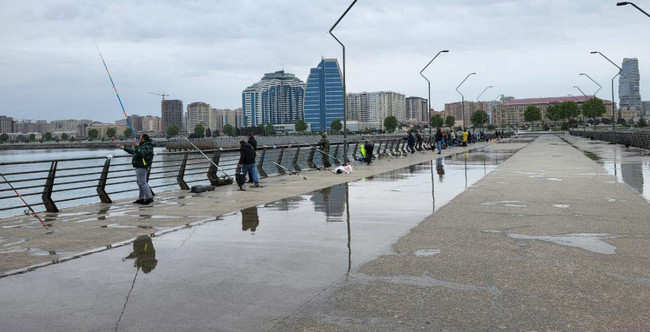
point(277, 99)
point(172, 114)
point(324, 95)
point(628, 85)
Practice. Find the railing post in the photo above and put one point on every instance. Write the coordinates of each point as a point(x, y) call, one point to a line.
point(336, 152)
point(295, 160)
point(310, 159)
point(212, 170)
point(354, 152)
point(49, 187)
point(181, 174)
point(260, 165)
point(279, 162)
point(101, 186)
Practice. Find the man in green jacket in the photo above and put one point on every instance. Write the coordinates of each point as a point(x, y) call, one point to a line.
point(142, 158)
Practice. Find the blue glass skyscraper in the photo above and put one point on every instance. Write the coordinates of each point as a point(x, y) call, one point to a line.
point(324, 95)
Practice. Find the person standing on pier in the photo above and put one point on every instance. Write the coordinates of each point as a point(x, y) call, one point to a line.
point(253, 142)
point(410, 142)
point(142, 158)
point(324, 147)
point(247, 160)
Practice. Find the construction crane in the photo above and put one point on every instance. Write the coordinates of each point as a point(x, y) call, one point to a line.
point(163, 95)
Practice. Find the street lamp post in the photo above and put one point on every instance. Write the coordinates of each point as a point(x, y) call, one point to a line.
point(589, 77)
point(463, 97)
point(429, 87)
point(623, 3)
point(577, 87)
point(345, 115)
point(480, 94)
point(613, 108)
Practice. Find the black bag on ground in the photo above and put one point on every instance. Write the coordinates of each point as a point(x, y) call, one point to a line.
point(221, 181)
point(199, 188)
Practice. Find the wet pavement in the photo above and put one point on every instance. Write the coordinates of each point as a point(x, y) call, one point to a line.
point(451, 243)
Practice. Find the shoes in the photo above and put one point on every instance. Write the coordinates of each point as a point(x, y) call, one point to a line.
point(438, 152)
point(147, 201)
point(257, 185)
point(139, 201)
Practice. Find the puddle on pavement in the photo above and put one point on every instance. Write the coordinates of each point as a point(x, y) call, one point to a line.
point(300, 246)
point(426, 252)
point(587, 241)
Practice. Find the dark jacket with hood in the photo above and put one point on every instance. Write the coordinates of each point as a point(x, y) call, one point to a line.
point(142, 154)
point(246, 154)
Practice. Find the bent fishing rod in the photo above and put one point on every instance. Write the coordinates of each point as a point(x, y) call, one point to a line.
point(201, 152)
point(25, 202)
point(115, 89)
point(321, 151)
point(288, 170)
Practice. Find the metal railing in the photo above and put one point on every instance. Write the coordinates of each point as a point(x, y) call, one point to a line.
point(51, 184)
point(635, 139)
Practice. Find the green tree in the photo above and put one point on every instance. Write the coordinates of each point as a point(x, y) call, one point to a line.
point(479, 118)
point(111, 132)
point(64, 136)
point(553, 113)
point(228, 129)
point(301, 126)
point(4, 138)
point(48, 136)
point(532, 114)
point(593, 108)
point(269, 129)
point(32, 137)
point(390, 123)
point(450, 121)
point(641, 123)
point(199, 130)
point(336, 126)
point(127, 132)
point(569, 110)
point(93, 134)
point(172, 131)
point(436, 121)
point(208, 132)
point(20, 138)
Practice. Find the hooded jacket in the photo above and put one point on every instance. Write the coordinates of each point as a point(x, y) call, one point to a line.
point(142, 154)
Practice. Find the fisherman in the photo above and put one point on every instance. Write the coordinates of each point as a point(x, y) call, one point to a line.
point(247, 160)
point(410, 140)
point(142, 159)
point(368, 146)
point(144, 254)
point(438, 139)
point(418, 139)
point(253, 142)
point(324, 147)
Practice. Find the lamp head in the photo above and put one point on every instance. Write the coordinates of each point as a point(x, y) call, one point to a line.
point(489, 86)
point(445, 51)
point(594, 52)
point(472, 73)
point(622, 3)
point(583, 74)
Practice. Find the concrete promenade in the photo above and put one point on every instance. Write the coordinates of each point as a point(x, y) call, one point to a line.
point(547, 241)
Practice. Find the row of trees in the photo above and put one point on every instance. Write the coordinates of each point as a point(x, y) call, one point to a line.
point(568, 111)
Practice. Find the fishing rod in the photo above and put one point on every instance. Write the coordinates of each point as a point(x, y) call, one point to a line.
point(127, 299)
point(321, 151)
point(25, 202)
point(288, 170)
point(201, 152)
point(115, 89)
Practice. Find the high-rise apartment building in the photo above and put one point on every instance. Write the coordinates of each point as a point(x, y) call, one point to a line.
point(324, 95)
point(456, 110)
point(6, 124)
point(151, 123)
point(172, 114)
point(628, 85)
point(374, 107)
point(417, 109)
point(198, 113)
point(277, 98)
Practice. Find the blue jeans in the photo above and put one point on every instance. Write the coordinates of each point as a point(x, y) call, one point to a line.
point(439, 146)
point(250, 167)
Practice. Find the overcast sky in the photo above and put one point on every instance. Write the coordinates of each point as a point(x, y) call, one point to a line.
point(212, 50)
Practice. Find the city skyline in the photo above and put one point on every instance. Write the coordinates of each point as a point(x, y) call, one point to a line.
point(202, 52)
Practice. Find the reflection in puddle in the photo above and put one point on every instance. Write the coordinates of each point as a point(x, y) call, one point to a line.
point(588, 241)
point(426, 252)
point(116, 225)
point(506, 203)
point(554, 179)
point(561, 206)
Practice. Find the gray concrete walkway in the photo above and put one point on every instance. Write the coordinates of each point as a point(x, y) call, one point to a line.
point(548, 241)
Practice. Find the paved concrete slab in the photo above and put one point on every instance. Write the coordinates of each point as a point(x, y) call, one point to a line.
point(548, 241)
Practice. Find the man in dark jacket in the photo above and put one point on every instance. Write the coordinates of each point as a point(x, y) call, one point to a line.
point(438, 139)
point(324, 147)
point(247, 160)
point(253, 142)
point(142, 158)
